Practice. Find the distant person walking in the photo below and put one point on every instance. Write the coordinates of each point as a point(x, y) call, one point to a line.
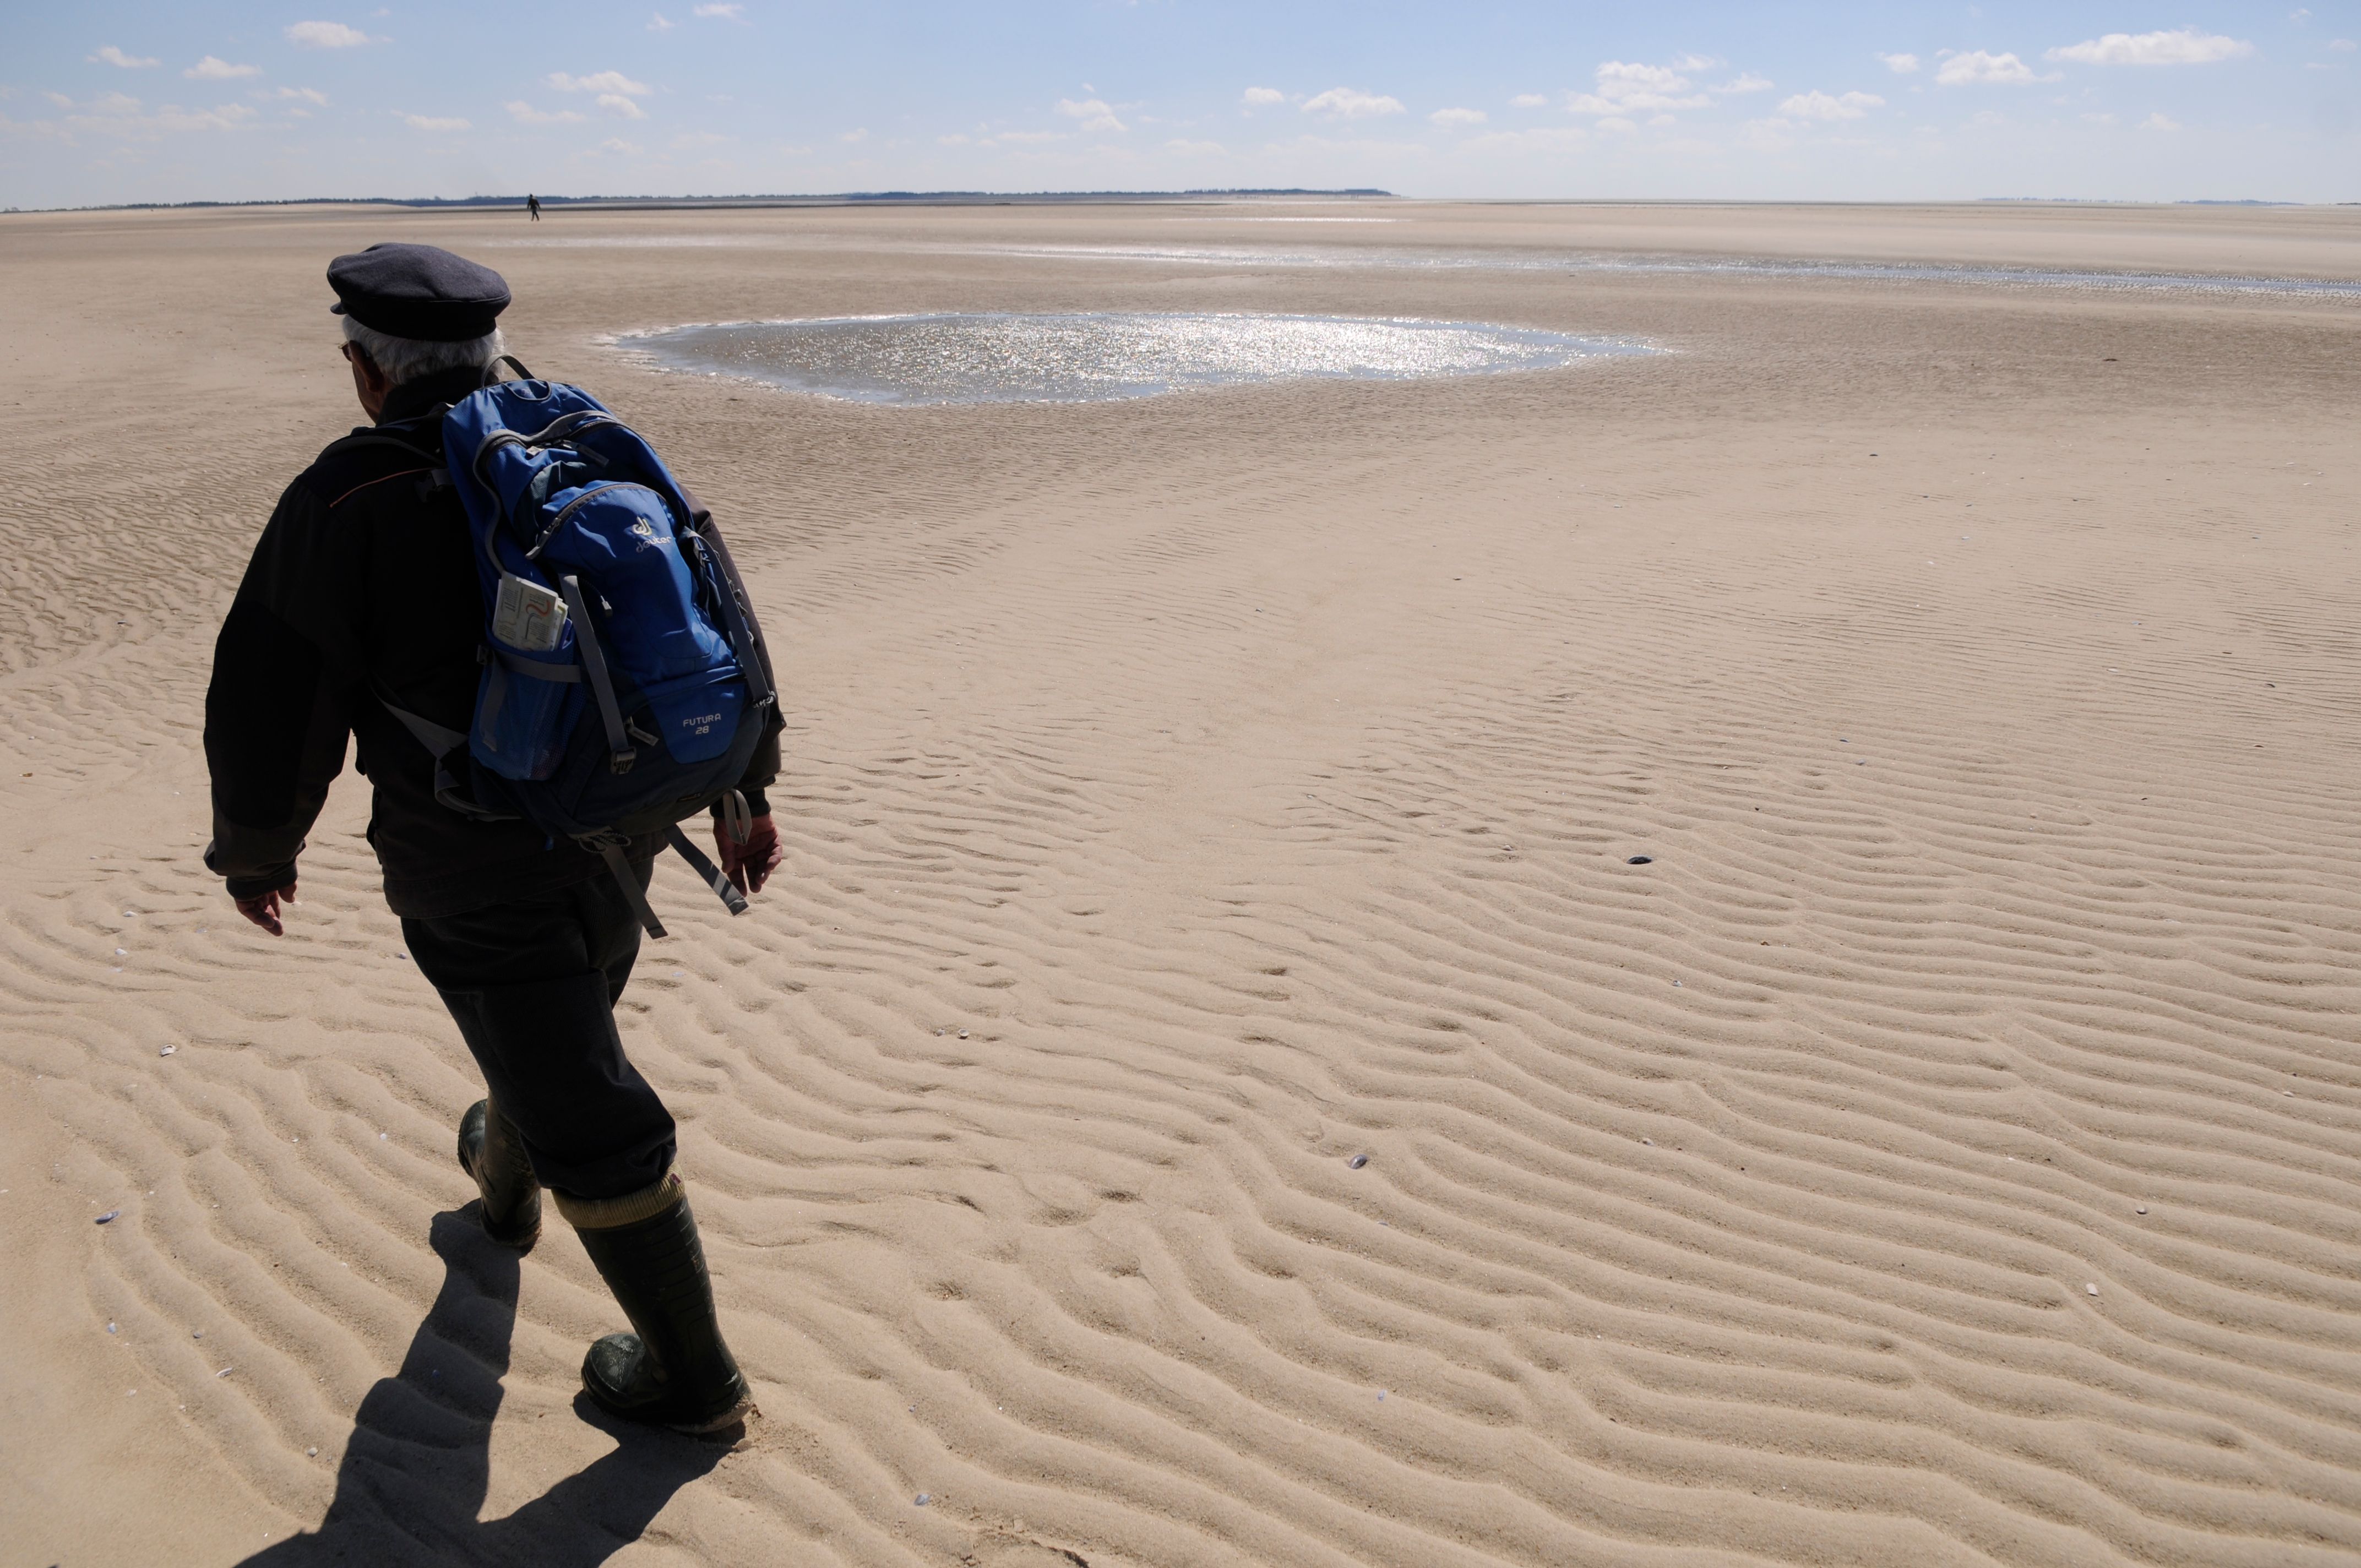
point(533, 205)
point(362, 615)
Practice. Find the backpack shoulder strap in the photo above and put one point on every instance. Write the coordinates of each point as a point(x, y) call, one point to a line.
point(402, 434)
point(439, 476)
point(441, 743)
point(374, 438)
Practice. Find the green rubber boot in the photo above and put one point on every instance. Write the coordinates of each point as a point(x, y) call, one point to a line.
point(674, 1370)
point(491, 1152)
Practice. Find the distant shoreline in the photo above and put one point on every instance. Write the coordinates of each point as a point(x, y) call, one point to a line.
point(1054, 198)
point(675, 203)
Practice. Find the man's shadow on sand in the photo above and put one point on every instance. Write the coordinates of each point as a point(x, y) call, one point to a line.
point(417, 1467)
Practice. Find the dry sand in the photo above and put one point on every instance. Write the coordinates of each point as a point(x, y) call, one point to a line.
point(1947, 1151)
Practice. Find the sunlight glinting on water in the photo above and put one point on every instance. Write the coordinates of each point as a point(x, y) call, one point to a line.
point(997, 358)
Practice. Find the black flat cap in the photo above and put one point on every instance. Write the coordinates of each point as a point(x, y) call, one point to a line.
point(418, 292)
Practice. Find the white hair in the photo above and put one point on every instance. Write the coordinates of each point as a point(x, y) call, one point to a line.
point(408, 358)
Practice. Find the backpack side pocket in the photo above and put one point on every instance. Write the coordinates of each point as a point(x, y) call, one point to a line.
point(522, 715)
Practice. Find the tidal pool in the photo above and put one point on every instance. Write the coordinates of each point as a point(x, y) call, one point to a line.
point(1004, 358)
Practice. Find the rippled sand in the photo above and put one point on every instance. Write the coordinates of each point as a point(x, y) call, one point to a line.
point(1945, 1149)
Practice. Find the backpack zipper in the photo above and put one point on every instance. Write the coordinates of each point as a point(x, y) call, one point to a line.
point(566, 510)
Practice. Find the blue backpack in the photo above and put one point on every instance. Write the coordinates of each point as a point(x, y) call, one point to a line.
point(625, 683)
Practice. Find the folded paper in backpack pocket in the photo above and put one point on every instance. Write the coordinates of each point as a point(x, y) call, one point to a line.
point(527, 617)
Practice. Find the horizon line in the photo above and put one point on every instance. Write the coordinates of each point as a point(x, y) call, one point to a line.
point(779, 198)
point(1019, 198)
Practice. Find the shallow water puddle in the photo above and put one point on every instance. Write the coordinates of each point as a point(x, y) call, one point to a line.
point(1006, 357)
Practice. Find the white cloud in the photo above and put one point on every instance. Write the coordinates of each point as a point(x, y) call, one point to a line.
point(618, 145)
point(1618, 125)
point(2158, 122)
point(1019, 137)
point(956, 138)
point(861, 135)
point(1977, 65)
point(211, 70)
point(616, 103)
point(1534, 138)
point(1351, 103)
point(326, 34)
point(107, 54)
point(121, 117)
point(431, 122)
point(1447, 118)
point(1196, 148)
point(227, 117)
point(605, 82)
point(2100, 119)
point(688, 140)
point(660, 23)
point(1817, 105)
point(1625, 87)
point(1093, 112)
point(308, 95)
point(524, 114)
point(1900, 65)
point(1528, 101)
point(2345, 45)
point(2185, 46)
point(1745, 81)
point(1262, 97)
point(720, 13)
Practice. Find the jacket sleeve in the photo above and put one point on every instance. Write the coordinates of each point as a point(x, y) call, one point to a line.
point(278, 712)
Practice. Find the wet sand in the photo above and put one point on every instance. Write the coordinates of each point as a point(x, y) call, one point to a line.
point(1945, 1149)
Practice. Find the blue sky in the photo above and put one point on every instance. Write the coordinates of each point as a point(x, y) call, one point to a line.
point(210, 99)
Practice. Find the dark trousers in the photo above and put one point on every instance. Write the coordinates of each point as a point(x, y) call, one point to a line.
point(533, 985)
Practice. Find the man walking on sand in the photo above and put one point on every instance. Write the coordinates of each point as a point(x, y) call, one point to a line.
point(533, 205)
point(362, 598)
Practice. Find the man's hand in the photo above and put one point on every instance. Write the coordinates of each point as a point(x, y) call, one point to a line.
point(749, 865)
point(263, 908)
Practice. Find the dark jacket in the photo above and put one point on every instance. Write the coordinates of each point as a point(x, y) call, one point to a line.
point(361, 584)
